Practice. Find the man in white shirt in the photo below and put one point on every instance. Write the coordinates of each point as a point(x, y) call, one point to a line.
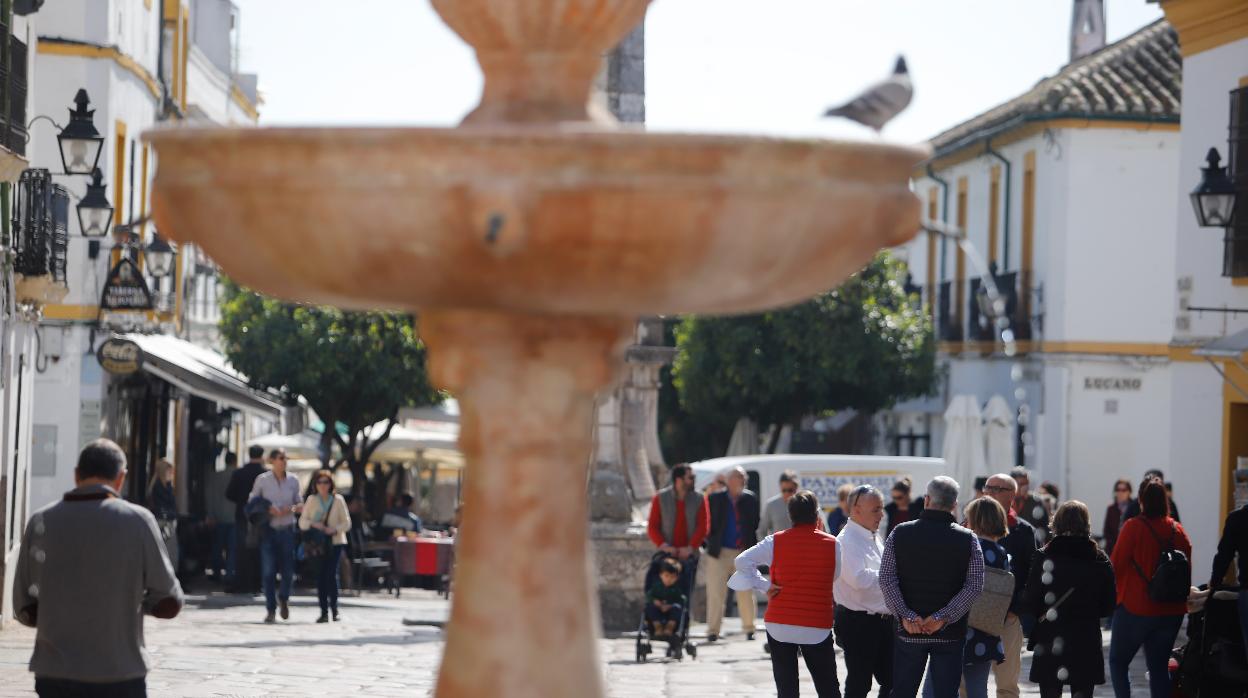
point(864, 625)
point(277, 541)
point(805, 562)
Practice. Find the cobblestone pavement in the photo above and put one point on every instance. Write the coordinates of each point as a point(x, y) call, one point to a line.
point(219, 647)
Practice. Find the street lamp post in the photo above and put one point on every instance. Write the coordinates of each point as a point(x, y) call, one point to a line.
point(1214, 198)
point(95, 213)
point(160, 255)
point(80, 142)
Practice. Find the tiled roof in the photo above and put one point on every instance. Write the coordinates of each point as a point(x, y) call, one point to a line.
point(1138, 78)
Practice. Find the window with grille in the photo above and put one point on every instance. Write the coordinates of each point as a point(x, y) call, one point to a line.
point(41, 226)
point(1235, 255)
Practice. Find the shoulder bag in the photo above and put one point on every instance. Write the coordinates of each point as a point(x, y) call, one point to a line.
point(316, 542)
point(989, 610)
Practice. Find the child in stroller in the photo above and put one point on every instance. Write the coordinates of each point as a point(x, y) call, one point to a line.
point(666, 615)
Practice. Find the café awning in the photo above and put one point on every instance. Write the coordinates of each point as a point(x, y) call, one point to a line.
point(206, 374)
point(1229, 348)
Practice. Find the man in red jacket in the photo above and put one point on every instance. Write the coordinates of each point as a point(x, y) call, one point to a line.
point(678, 516)
point(804, 563)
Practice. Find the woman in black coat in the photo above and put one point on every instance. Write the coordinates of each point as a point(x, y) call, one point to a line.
point(1071, 588)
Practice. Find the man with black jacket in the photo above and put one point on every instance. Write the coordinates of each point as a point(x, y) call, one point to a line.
point(734, 523)
point(1234, 542)
point(1020, 543)
point(931, 572)
point(238, 490)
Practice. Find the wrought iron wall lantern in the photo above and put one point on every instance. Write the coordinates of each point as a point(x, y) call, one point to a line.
point(95, 213)
point(1215, 197)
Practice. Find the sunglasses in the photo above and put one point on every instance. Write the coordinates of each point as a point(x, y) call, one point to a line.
point(1123, 489)
point(324, 482)
point(998, 488)
point(788, 490)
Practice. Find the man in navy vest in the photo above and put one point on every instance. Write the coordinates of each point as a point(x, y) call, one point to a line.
point(805, 562)
point(931, 573)
point(734, 516)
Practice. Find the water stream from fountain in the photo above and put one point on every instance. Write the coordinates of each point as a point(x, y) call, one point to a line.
point(993, 308)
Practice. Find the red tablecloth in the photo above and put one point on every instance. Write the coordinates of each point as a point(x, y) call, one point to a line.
point(423, 556)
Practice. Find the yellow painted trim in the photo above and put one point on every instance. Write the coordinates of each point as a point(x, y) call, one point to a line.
point(994, 212)
point(933, 205)
point(959, 294)
point(243, 103)
point(186, 53)
point(1240, 281)
point(147, 4)
point(1243, 82)
point(70, 312)
point(1035, 128)
point(1179, 353)
point(1027, 251)
point(1206, 24)
point(119, 181)
point(112, 53)
point(143, 188)
point(1230, 397)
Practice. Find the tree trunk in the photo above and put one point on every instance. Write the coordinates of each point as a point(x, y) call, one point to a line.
point(773, 439)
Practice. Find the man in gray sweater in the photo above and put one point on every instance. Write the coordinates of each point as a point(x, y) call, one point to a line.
point(90, 566)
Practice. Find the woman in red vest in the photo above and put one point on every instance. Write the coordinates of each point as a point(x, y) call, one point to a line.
point(804, 562)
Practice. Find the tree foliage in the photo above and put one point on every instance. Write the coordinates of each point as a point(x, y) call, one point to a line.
point(356, 368)
point(865, 345)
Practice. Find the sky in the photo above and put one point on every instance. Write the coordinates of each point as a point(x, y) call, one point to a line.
point(750, 66)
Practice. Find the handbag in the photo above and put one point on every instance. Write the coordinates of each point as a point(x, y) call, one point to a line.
point(316, 543)
point(989, 610)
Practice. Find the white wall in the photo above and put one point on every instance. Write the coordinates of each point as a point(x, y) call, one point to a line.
point(1119, 236)
point(1208, 77)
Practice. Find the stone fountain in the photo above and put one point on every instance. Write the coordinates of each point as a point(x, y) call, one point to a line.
point(529, 240)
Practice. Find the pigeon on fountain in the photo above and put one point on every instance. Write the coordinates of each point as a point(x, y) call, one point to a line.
point(883, 101)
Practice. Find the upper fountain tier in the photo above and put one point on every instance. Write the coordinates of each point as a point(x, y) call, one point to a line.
point(529, 207)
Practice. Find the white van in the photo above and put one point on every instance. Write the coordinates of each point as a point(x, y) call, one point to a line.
point(823, 474)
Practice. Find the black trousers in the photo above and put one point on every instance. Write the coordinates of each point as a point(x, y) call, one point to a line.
point(64, 688)
point(867, 641)
point(820, 660)
point(1054, 690)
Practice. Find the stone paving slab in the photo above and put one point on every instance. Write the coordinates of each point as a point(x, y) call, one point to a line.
point(218, 647)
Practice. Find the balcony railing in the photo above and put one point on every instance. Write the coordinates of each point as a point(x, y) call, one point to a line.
point(41, 226)
point(949, 325)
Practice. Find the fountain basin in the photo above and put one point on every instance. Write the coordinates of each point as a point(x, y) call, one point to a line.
point(532, 219)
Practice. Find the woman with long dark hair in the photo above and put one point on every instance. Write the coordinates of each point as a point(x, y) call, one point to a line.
point(1116, 514)
point(326, 512)
point(1141, 620)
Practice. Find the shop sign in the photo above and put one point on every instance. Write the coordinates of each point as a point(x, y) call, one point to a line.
point(125, 288)
point(120, 356)
point(1121, 384)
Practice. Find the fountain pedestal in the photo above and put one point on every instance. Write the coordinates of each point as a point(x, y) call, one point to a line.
point(526, 387)
point(528, 247)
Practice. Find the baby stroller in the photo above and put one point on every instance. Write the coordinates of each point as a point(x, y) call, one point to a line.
point(1212, 663)
point(678, 642)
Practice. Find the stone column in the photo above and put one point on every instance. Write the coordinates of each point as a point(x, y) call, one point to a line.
point(626, 436)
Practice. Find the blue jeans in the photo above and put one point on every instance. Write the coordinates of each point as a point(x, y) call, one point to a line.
point(224, 540)
point(327, 580)
point(910, 661)
point(1156, 634)
point(277, 553)
point(975, 676)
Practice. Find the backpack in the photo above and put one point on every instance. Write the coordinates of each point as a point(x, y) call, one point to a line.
point(1172, 576)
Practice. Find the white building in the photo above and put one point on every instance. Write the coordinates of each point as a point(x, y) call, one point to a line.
point(23, 293)
point(143, 62)
point(1208, 419)
point(1068, 191)
point(1078, 191)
